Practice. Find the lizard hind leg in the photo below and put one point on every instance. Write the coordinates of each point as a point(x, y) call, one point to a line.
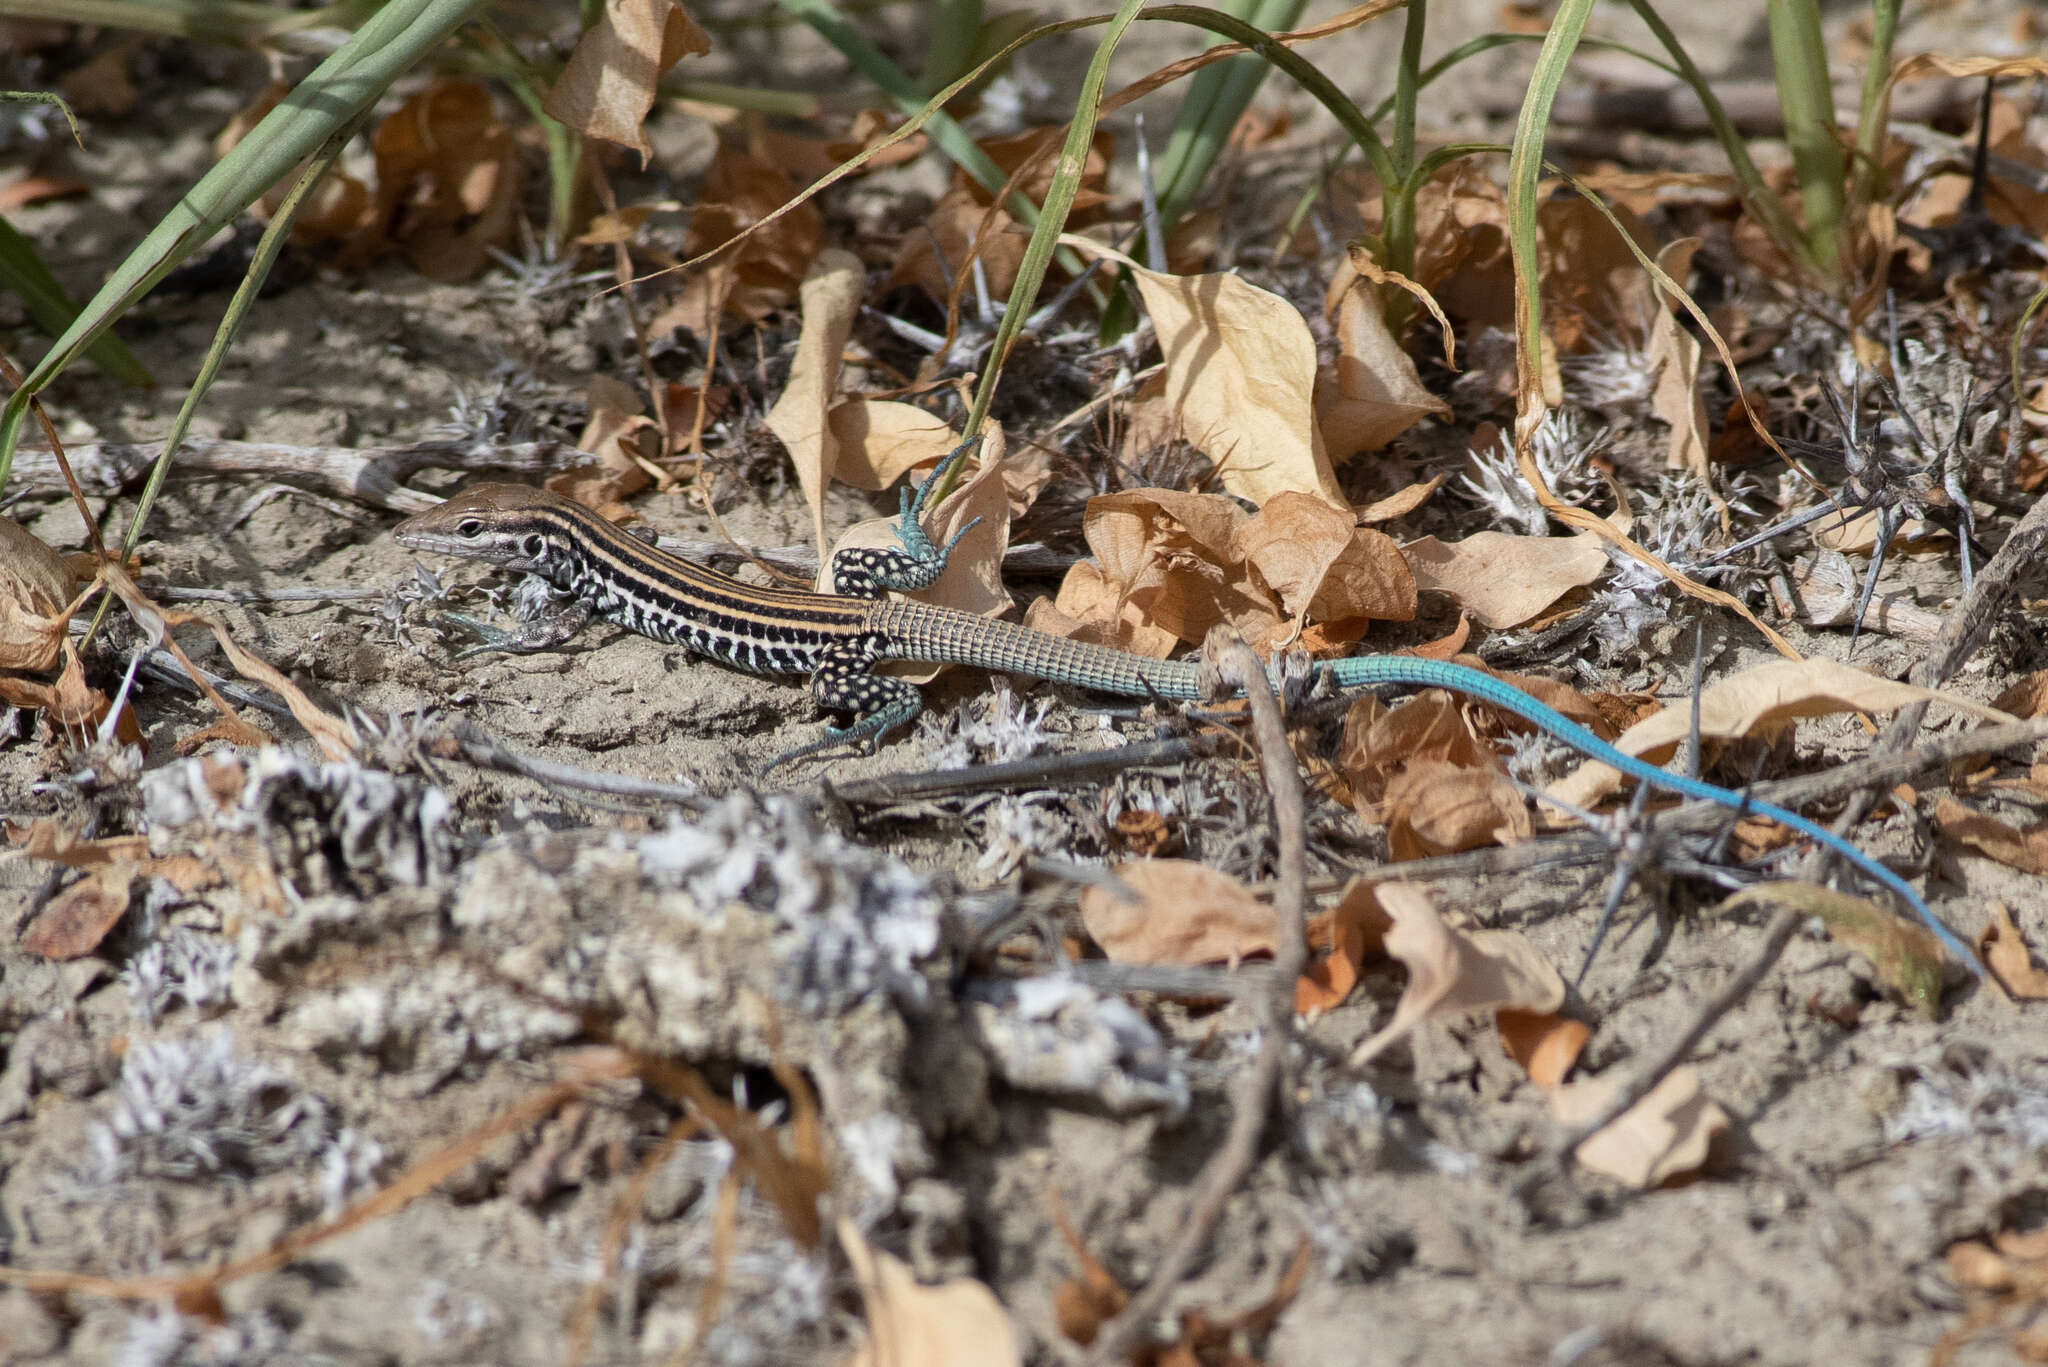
point(846, 682)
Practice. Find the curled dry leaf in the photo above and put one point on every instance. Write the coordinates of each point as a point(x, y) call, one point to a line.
point(621, 437)
point(1399, 505)
point(36, 586)
point(1758, 701)
point(878, 442)
point(1370, 393)
point(1171, 567)
point(938, 257)
point(1905, 954)
point(72, 924)
point(2004, 951)
point(609, 82)
point(762, 274)
point(1674, 358)
point(1340, 939)
point(1321, 565)
point(1183, 914)
point(1452, 971)
point(2025, 850)
point(1546, 1045)
point(1241, 373)
point(1435, 808)
point(1168, 560)
point(448, 180)
point(1669, 1132)
point(1503, 580)
point(957, 1324)
point(831, 298)
point(2026, 699)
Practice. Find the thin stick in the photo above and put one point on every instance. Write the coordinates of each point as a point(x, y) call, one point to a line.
point(1260, 1085)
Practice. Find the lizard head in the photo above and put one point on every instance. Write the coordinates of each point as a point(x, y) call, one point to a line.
point(513, 526)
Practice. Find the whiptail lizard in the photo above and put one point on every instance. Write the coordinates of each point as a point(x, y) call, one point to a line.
point(837, 639)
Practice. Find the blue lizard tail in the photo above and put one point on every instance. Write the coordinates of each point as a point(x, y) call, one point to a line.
point(1367, 671)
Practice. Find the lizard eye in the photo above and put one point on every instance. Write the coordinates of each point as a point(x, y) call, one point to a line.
point(469, 527)
point(536, 545)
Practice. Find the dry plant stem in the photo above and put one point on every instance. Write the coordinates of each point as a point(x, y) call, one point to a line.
point(370, 474)
point(1260, 1085)
point(1961, 635)
point(466, 741)
point(1043, 771)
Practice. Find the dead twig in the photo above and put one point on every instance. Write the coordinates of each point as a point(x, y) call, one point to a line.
point(1261, 1084)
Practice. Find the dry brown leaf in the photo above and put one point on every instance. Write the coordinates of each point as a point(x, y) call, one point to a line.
point(2004, 951)
point(1430, 727)
point(448, 181)
point(1975, 1266)
point(763, 273)
point(1185, 914)
point(878, 442)
point(1401, 504)
point(1546, 1045)
point(1674, 358)
point(1341, 938)
point(1370, 393)
point(960, 230)
point(831, 298)
point(1461, 244)
point(1432, 808)
point(1453, 972)
point(24, 190)
point(1669, 1132)
point(957, 1324)
point(609, 83)
point(622, 437)
point(2027, 698)
point(1504, 580)
point(1241, 373)
point(2025, 850)
point(36, 588)
point(1091, 607)
point(1174, 558)
point(102, 85)
point(869, 128)
point(1083, 1304)
point(1760, 702)
point(72, 924)
point(1319, 564)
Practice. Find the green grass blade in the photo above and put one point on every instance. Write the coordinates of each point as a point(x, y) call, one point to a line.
point(1052, 219)
point(242, 22)
point(1800, 59)
point(1763, 205)
point(908, 96)
point(22, 271)
point(1525, 165)
point(333, 96)
point(275, 234)
point(1216, 99)
point(1873, 110)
